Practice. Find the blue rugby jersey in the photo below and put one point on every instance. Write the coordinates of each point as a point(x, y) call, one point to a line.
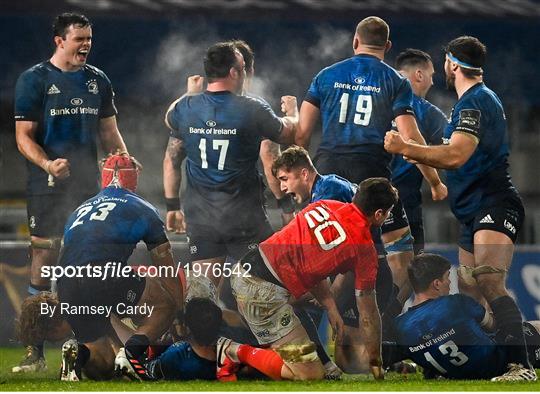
point(484, 179)
point(444, 335)
point(221, 132)
point(332, 187)
point(358, 98)
point(108, 226)
point(406, 177)
point(67, 107)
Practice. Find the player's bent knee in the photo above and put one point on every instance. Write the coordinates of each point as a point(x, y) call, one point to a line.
point(302, 360)
point(45, 243)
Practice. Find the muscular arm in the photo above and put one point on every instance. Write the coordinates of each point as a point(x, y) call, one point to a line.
point(268, 152)
point(309, 114)
point(370, 327)
point(323, 295)
point(451, 156)
point(172, 173)
point(111, 139)
point(407, 127)
point(26, 143)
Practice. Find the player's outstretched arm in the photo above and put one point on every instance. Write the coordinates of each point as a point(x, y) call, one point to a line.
point(451, 156)
point(172, 179)
point(110, 137)
point(309, 114)
point(370, 328)
point(323, 295)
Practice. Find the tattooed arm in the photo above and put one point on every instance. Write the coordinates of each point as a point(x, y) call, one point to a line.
point(172, 179)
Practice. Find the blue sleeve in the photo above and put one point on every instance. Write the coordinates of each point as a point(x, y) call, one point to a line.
point(403, 101)
point(313, 94)
point(266, 121)
point(469, 116)
point(437, 125)
point(108, 108)
point(472, 308)
point(174, 121)
point(29, 97)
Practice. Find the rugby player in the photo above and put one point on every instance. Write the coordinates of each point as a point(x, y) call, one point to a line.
point(299, 178)
point(417, 67)
point(61, 105)
point(326, 238)
point(357, 99)
point(452, 335)
point(482, 196)
point(105, 229)
point(220, 131)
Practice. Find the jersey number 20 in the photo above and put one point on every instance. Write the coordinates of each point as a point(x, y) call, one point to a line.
point(317, 220)
point(363, 109)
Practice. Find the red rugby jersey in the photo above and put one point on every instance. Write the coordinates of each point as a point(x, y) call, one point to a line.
point(325, 238)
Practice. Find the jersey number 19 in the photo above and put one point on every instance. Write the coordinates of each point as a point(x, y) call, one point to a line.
point(362, 115)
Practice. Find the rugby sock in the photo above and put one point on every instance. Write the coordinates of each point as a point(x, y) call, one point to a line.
point(510, 330)
point(35, 289)
point(311, 329)
point(137, 345)
point(83, 355)
point(267, 361)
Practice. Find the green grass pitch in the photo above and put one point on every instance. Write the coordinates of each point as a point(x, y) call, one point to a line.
point(48, 381)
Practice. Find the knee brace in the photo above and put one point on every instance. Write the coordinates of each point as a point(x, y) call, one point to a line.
point(400, 245)
point(46, 243)
point(298, 353)
point(469, 274)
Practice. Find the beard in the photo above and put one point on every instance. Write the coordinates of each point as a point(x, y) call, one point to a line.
point(451, 82)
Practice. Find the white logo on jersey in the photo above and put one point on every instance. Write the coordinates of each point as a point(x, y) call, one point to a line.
point(359, 80)
point(510, 226)
point(210, 123)
point(92, 86)
point(487, 219)
point(53, 89)
point(76, 101)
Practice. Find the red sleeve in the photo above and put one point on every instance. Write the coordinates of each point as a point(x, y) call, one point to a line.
point(365, 270)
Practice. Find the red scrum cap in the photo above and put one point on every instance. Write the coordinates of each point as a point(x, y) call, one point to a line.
point(120, 169)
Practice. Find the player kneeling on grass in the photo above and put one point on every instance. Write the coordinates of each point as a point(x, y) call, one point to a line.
point(326, 238)
point(452, 335)
point(103, 230)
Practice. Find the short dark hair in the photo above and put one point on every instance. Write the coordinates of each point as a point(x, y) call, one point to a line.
point(373, 31)
point(374, 194)
point(246, 51)
point(425, 268)
point(292, 157)
point(203, 318)
point(469, 50)
point(63, 21)
point(219, 59)
point(411, 57)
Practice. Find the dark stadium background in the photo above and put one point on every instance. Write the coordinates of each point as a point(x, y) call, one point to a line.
point(148, 48)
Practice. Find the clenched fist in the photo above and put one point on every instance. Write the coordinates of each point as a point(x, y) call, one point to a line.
point(195, 84)
point(393, 143)
point(289, 106)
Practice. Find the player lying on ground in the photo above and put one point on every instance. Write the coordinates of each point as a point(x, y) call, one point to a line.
point(452, 335)
point(326, 238)
point(105, 229)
